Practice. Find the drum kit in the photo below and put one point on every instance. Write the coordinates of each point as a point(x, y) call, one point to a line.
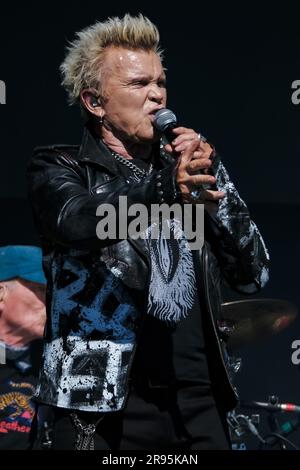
point(245, 322)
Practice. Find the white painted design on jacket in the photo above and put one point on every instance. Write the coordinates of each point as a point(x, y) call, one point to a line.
point(172, 284)
point(90, 377)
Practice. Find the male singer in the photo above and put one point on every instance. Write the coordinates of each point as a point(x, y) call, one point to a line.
point(132, 353)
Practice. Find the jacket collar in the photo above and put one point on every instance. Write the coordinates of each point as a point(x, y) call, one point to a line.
point(93, 149)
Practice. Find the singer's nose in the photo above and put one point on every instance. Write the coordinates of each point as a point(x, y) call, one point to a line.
point(156, 94)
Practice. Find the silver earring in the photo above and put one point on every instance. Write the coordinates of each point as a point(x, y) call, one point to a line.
point(100, 121)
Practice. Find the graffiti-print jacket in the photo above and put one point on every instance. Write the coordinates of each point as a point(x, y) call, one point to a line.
point(92, 318)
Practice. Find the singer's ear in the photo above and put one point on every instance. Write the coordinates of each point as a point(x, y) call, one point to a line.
point(91, 101)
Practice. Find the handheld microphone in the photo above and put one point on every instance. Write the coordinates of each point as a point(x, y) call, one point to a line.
point(165, 121)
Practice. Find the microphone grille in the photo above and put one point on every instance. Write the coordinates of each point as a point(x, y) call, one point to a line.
point(164, 118)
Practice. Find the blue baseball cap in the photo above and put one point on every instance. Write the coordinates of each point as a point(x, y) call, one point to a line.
point(21, 261)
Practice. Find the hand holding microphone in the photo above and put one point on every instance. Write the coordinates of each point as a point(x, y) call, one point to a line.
point(193, 154)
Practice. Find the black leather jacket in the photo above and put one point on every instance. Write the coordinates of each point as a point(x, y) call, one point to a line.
point(92, 320)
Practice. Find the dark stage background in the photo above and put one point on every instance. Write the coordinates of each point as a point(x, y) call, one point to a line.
point(229, 75)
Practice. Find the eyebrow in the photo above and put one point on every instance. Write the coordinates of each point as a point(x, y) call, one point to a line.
point(146, 78)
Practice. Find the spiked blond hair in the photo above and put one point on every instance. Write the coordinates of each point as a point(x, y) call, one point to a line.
point(82, 65)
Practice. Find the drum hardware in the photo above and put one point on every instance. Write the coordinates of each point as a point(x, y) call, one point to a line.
point(246, 321)
point(241, 425)
point(278, 431)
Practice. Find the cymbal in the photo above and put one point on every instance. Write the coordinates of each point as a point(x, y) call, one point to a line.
point(256, 319)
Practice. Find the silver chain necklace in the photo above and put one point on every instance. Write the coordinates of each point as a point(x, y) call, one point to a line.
point(138, 172)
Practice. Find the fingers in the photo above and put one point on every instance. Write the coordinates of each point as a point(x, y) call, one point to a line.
point(187, 168)
point(211, 195)
point(168, 148)
point(184, 138)
point(184, 130)
point(207, 195)
point(188, 153)
point(206, 150)
point(193, 165)
point(182, 134)
point(197, 164)
point(198, 180)
point(180, 143)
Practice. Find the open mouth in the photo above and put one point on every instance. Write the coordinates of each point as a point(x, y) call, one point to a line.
point(153, 112)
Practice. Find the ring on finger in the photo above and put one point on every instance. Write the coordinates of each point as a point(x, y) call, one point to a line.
point(201, 137)
point(196, 194)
